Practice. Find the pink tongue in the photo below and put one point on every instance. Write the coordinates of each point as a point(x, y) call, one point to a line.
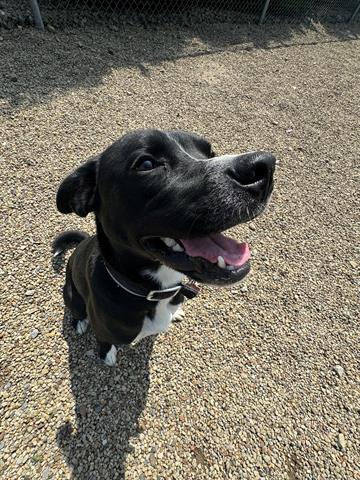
point(217, 245)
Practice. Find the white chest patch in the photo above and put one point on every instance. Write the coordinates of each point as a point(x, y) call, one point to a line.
point(167, 277)
point(164, 312)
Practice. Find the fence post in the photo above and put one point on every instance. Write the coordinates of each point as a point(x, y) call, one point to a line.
point(352, 18)
point(39, 24)
point(263, 13)
point(266, 6)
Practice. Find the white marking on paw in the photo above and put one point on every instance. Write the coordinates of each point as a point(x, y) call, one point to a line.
point(179, 315)
point(135, 341)
point(82, 326)
point(110, 358)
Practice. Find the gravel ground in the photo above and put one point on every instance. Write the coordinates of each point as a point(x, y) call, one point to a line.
point(260, 380)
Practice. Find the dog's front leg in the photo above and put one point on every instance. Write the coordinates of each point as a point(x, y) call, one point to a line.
point(175, 307)
point(107, 353)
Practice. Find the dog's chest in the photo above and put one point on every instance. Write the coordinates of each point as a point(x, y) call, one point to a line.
point(164, 310)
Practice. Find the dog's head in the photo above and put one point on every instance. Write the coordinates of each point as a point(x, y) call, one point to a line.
point(166, 196)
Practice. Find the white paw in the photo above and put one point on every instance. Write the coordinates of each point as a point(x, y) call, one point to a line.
point(82, 326)
point(135, 341)
point(178, 316)
point(110, 358)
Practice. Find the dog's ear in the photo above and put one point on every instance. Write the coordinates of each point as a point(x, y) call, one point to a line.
point(77, 193)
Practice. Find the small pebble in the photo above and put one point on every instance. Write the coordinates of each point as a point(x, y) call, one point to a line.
point(341, 441)
point(34, 333)
point(46, 474)
point(340, 372)
point(82, 410)
point(20, 460)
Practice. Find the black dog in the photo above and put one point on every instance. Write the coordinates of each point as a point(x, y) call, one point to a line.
point(161, 200)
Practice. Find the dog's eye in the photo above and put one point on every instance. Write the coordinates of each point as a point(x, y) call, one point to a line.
point(144, 164)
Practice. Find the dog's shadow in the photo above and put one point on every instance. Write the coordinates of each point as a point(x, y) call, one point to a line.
point(108, 403)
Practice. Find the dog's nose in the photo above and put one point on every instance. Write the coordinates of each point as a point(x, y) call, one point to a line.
point(254, 172)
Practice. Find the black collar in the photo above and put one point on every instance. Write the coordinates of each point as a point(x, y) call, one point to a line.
point(189, 290)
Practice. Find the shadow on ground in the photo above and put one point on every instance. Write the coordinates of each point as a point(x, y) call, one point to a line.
point(96, 447)
point(35, 65)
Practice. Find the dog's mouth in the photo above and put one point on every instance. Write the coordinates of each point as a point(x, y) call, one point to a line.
point(214, 259)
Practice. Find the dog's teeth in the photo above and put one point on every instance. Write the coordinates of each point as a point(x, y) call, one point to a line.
point(169, 242)
point(177, 248)
point(221, 262)
point(230, 267)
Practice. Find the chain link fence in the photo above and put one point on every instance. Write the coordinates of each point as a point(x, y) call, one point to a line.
point(184, 12)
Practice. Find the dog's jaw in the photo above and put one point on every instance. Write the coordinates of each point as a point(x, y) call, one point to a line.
point(216, 259)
